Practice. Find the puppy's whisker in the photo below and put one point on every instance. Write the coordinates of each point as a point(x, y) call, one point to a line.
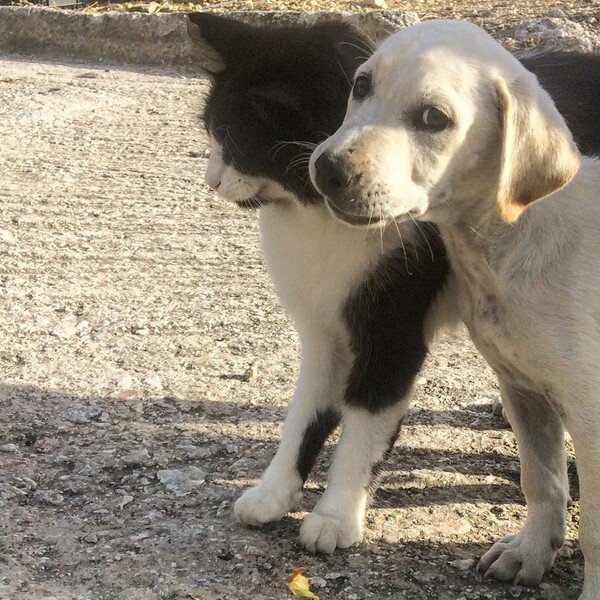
point(417, 225)
point(403, 246)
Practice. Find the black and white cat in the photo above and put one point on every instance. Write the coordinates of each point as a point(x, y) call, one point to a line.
point(366, 305)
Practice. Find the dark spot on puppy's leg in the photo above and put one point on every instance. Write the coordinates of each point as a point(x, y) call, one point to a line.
point(315, 434)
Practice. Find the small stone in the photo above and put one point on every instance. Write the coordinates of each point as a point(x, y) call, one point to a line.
point(195, 452)
point(46, 445)
point(81, 413)
point(48, 497)
point(181, 482)
point(154, 382)
point(462, 564)
point(91, 538)
point(140, 331)
point(139, 457)
point(6, 236)
point(251, 373)
point(318, 582)
point(66, 328)
point(381, 4)
point(125, 501)
point(124, 381)
point(9, 448)
point(515, 591)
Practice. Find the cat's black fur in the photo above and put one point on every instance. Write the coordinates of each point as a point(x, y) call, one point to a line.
point(267, 95)
point(292, 83)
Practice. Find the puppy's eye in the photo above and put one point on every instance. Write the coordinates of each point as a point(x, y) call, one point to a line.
point(362, 86)
point(432, 119)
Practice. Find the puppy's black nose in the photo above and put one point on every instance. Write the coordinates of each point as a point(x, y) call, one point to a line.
point(333, 176)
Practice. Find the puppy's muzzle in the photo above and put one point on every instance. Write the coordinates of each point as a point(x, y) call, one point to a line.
point(336, 179)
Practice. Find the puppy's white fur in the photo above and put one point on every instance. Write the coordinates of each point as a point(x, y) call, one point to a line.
point(315, 261)
point(527, 270)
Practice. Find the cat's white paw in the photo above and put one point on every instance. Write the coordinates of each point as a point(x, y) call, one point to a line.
point(262, 504)
point(325, 533)
point(522, 559)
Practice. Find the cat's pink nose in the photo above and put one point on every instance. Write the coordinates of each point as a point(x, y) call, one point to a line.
point(213, 184)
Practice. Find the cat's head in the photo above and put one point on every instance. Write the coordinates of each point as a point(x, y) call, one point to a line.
point(277, 91)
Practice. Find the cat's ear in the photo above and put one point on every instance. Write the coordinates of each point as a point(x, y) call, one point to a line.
point(275, 105)
point(219, 39)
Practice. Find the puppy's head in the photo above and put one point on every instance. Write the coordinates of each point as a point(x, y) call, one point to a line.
point(442, 119)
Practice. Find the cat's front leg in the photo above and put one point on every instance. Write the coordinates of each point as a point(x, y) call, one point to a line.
point(337, 520)
point(312, 415)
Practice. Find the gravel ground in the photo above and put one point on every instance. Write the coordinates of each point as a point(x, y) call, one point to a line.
point(132, 303)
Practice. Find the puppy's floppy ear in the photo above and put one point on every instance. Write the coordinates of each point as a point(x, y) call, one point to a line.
point(539, 155)
point(219, 39)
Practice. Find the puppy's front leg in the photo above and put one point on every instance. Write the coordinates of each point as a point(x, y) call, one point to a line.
point(312, 416)
point(338, 518)
point(526, 556)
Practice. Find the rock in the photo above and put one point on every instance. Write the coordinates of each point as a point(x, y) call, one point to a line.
point(6, 236)
point(243, 466)
point(124, 380)
point(318, 582)
point(140, 331)
point(66, 328)
point(48, 497)
point(195, 452)
point(9, 448)
point(181, 482)
point(139, 457)
point(380, 4)
point(462, 564)
point(154, 382)
point(125, 501)
point(81, 413)
point(47, 445)
point(552, 33)
point(251, 373)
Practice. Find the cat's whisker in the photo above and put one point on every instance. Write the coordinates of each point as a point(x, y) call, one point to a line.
point(361, 45)
point(302, 144)
point(228, 134)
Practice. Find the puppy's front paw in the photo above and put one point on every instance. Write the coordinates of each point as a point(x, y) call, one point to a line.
point(519, 558)
point(261, 504)
point(325, 533)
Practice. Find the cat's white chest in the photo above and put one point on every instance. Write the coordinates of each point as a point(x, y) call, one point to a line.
point(315, 261)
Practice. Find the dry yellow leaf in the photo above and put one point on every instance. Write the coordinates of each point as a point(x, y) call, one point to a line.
point(299, 585)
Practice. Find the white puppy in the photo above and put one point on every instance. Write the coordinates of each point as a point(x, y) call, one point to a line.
point(445, 125)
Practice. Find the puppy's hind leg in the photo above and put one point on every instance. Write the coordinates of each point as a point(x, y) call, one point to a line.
point(526, 556)
point(585, 434)
point(312, 415)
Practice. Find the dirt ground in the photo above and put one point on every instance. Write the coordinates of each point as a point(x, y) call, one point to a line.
point(132, 303)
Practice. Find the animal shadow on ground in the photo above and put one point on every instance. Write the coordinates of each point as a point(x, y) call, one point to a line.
point(152, 481)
